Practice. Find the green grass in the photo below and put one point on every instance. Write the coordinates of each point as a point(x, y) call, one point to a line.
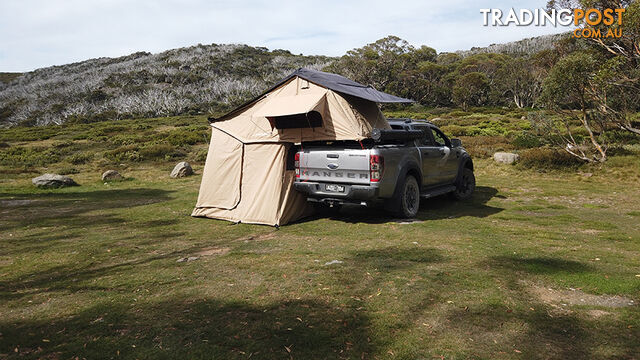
point(92, 272)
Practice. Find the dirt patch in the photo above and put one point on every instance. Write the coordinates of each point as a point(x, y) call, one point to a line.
point(261, 237)
point(213, 251)
point(21, 202)
point(578, 297)
point(591, 231)
point(598, 313)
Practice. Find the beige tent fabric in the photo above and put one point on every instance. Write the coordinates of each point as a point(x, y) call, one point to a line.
point(267, 193)
point(293, 205)
point(224, 157)
point(341, 121)
point(245, 177)
point(291, 105)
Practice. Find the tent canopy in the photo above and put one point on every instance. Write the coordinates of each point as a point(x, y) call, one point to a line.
point(329, 81)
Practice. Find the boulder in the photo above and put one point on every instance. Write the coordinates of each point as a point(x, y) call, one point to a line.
point(111, 175)
point(53, 181)
point(182, 169)
point(505, 158)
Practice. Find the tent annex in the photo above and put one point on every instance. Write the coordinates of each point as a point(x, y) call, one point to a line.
point(248, 175)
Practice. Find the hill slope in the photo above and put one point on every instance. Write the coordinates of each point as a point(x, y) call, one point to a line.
point(197, 79)
point(521, 47)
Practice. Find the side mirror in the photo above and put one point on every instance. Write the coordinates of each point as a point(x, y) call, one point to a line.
point(456, 143)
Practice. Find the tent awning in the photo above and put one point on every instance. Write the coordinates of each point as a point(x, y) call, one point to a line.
point(291, 105)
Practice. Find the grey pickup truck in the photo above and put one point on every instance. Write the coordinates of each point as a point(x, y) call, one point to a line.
point(395, 167)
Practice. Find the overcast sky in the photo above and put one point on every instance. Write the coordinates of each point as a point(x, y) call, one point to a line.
point(39, 33)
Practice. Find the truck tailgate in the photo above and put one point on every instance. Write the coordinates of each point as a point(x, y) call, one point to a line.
point(339, 166)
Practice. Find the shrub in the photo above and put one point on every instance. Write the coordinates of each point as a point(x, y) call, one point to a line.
point(80, 158)
point(455, 130)
point(200, 156)
point(128, 139)
point(526, 141)
point(67, 170)
point(185, 137)
point(459, 113)
point(485, 146)
point(544, 158)
point(123, 153)
point(156, 151)
point(28, 156)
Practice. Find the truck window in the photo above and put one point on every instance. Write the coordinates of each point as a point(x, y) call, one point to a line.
point(440, 138)
point(426, 140)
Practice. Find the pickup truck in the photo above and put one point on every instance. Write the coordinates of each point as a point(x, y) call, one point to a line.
point(396, 173)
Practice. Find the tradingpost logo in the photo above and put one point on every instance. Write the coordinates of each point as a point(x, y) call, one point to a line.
point(588, 22)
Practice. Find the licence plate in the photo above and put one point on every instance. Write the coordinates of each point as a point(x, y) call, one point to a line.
point(334, 188)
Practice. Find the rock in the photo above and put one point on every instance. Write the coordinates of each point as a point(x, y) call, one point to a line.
point(111, 175)
point(505, 158)
point(188, 259)
point(523, 117)
point(181, 169)
point(53, 181)
point(332, 262)
point(436, 119)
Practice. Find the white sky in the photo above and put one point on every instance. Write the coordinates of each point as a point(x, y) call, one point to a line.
point(39, 33)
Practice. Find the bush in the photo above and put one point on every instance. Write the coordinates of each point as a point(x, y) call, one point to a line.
point(68, 170)
point(200, 156)
point(459, 113)
point(80, 158)
point(544, 158)
point(63, 144)
point(28, 156)
point(185, 137)
point(526, 141)
point(156, 152)
point(123, 153)
point(485, 146)
point(129, 139)
point(454, 130)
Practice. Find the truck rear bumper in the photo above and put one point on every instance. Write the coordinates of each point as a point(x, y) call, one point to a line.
point(351, 192)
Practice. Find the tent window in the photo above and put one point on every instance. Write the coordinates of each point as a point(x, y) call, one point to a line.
point(311, 119)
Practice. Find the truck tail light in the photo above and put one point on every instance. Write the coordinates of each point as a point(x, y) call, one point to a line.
point(297, 164)
point(376, 166)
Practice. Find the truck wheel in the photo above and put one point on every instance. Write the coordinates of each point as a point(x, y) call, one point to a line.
point(409, 198)
point(465, 185)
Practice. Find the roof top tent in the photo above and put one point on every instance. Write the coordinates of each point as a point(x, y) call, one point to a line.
point(248, 175)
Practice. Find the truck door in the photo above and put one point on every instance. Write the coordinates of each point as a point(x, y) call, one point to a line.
point(447, 158)
point(429, 154)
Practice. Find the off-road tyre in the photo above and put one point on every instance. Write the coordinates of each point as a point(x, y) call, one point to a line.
point(409, 201)
point(465, 185)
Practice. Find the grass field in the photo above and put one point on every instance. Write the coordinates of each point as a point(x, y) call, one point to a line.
point(536, 266)
point(541, 264)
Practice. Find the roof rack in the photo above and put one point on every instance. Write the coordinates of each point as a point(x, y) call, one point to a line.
point(409, 120)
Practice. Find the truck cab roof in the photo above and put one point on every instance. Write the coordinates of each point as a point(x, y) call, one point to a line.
point(403, 122)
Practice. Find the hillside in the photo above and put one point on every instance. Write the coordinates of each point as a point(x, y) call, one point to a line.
point(7, 77)
point(191, 80)
point(521, 47)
